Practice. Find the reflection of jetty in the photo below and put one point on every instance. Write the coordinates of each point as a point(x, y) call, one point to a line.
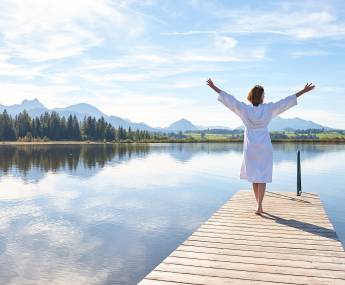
point(292, 243)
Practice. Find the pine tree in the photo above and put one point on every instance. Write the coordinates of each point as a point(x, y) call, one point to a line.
point(7, 131)
point(22, 124)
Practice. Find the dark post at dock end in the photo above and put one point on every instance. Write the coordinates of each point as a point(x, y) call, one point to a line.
point(299, 184)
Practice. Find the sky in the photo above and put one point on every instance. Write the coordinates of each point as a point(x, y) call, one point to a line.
point(148, 60)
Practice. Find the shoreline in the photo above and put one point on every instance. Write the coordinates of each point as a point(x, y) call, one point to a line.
point(330, 141)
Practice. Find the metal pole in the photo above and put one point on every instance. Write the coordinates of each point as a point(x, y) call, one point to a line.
point(299, 184)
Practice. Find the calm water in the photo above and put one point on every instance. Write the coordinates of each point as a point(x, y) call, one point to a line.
point(108, 214)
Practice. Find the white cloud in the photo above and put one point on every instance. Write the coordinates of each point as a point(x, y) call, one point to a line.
point(40, 30)
point(301, 20)
point(304, 53)
point(228, 42)
point(22, 71)
point(191, 56)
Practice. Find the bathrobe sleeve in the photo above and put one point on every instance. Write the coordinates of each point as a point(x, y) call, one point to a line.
point(231, 102)
point(283, 105)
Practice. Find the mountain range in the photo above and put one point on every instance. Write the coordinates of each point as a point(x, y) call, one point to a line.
point(36, 108)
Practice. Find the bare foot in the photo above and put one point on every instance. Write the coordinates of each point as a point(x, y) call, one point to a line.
point(259, 210)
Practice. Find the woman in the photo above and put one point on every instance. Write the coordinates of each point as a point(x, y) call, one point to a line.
point(257, 160)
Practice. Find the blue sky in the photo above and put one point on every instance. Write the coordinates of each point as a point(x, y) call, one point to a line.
point(149, 60)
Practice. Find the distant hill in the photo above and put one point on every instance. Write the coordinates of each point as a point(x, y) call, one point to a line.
point(278, 124)
point(81, 108)
point(281, 124)
point(36, 108)
point(181, 125)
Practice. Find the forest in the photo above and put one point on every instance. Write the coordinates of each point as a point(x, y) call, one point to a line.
point(52, 126)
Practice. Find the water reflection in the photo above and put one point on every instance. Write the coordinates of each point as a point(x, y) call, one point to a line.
point(107, 214)
point(80, 160)
point(32, 162)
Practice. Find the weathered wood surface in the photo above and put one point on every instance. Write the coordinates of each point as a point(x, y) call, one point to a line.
point(293, 242)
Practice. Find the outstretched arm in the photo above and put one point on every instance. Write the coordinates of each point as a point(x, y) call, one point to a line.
point(290, 101)
point(308, 87)
point(228, 100)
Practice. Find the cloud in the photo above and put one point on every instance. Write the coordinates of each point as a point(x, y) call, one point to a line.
point(296, 24)
point(227, 42)
point(301, 20)
point(25, 72)
point(308, 53)
point(192, 56)
point(39, 30)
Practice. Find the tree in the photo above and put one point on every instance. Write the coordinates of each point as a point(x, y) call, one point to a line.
point(36, 128)
point(22, 124)
point(54, 127)
point(76, 133)
point(7, 131)
point(69, 128)
point(50, 126)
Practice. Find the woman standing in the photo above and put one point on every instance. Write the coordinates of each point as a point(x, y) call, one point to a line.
point(257, 160)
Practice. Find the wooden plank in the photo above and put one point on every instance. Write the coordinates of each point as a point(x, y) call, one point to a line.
point(293, 242)
point(181, 278)
point(262, 259)
point(268, 255)
point(267, 239)
point(246, 274)
point(253, 266)
point(287, 231)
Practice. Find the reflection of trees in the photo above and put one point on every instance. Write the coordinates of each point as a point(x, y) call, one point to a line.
point(69, 157)
point(33, 161)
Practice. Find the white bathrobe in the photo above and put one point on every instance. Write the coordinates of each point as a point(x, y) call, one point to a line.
point(257, 160)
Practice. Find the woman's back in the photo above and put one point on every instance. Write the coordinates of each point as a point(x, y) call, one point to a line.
point(257, 117)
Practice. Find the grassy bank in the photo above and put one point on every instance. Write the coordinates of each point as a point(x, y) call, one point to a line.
point(184, 140)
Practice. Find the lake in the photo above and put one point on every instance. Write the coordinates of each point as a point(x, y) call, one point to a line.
point(108, 214)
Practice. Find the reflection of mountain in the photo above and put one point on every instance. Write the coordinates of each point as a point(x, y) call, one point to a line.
point(31, 162)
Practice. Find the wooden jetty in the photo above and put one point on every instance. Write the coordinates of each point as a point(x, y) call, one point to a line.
point(293, 242)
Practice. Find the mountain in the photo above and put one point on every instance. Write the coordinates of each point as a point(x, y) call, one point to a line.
point(281, 124)
point(36, 108)
point(181, 125)
point(213, 127)
point(125, 123)
point(34, 105)
point(81, 108)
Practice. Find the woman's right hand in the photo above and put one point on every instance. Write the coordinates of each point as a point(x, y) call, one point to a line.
point(308, 87)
